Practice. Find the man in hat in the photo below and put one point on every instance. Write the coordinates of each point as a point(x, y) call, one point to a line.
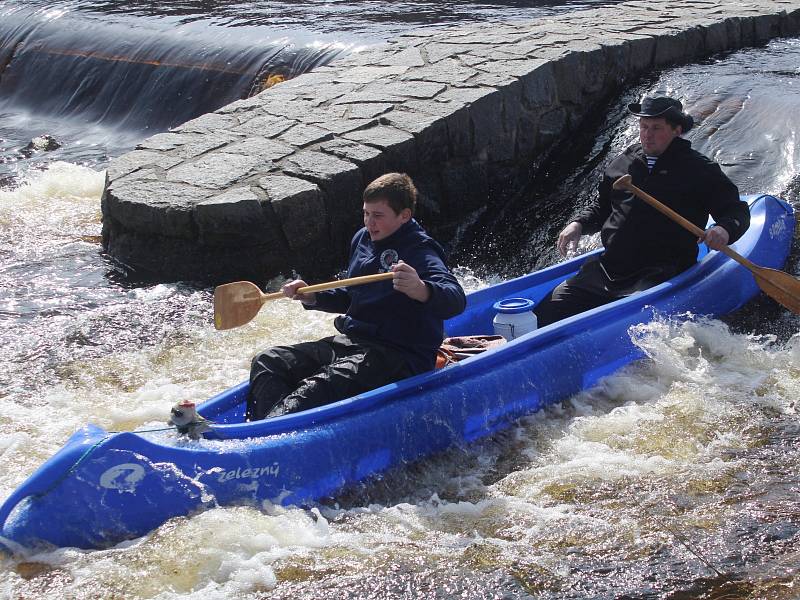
point(643, 247)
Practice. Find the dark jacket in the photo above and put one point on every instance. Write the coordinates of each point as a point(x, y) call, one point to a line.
point(376, 312)
point(635, 235)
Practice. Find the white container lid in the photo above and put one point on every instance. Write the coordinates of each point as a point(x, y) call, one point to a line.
point(514, 305)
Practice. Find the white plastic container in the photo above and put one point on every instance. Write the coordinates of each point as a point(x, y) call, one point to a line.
point(514, 317)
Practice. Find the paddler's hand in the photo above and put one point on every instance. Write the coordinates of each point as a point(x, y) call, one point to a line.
point(715, 237)
point(407, 281)
point(568, 238)
point(290, 291)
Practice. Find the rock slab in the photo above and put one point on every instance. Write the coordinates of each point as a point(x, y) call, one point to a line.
point(272, 184)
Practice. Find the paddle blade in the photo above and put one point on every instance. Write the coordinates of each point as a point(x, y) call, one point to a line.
point(236, 304)
point(780, 286)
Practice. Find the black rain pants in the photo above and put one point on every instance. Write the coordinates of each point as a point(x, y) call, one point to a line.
point(288, 379)
point(592, 287)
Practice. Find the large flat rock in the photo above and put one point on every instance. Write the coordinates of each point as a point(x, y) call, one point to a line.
point(272, 184)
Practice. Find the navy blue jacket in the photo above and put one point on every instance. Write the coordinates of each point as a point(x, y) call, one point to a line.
point(637, 236)
point(376, 312)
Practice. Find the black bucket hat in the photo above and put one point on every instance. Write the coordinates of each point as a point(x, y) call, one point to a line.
point(661, 107)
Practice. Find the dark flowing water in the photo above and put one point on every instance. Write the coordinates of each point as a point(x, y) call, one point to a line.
point(676, 478)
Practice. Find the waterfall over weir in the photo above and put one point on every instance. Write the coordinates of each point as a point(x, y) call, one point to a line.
point(66, 73)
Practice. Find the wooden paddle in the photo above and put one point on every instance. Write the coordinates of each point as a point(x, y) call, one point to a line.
point(778, 285)
point(237, 303)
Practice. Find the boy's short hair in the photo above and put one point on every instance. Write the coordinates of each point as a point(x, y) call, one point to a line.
point(396, 188)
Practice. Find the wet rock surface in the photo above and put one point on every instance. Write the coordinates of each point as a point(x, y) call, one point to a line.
point(272, 183)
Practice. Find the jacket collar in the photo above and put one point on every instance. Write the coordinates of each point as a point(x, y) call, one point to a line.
point(398, 235)
point(677, 146)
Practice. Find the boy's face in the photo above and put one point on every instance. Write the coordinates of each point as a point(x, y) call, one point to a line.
point(381, 221)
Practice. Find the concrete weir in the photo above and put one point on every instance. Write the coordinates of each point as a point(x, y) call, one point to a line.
point(273, 183)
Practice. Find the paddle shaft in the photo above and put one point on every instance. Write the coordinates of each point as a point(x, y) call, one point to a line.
point(624, 182)
point(330, 285)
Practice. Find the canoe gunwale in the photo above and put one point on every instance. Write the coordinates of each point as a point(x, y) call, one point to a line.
point(536, 340)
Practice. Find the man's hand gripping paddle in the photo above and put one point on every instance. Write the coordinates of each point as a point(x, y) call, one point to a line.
point(778, 285)
point(237, 303)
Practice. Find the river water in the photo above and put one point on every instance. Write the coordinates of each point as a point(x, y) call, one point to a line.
point(676, 478)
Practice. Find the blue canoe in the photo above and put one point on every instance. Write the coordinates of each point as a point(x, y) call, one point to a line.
point(102, 487)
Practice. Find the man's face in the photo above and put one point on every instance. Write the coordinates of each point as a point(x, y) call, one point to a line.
point(381, 221)
point(656, 134)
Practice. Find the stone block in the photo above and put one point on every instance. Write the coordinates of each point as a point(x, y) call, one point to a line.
point(472, 60)
point(448, 71)
point(733, 31)
point(300, 209)
point(437, 107)
point(716, 37)
point(616, 57)
point(429, 131)
point(371, 161)
point(341, 183)
point(216, 171)
point(539, 87)
point(264, 126)
point(493, 80)
point(398, 145)
point(409, 57)
point(304, 135)
point(490, 141)
point(132, 161)
point(168, 141)
point(413, 122)
point(669, 51)
point(368, 97)
point(436, 51)
point(551, 126)
point(369, 110)
point(156, 208)
point(322, 94)
point(527, 47)
point(317, 166)
point(208, 123)
point(790, 22)
point(527, 134)
point(369, 74)
point(465, 95)
point(296, 110)
point(641, 55)
point(265, 148)
point(767, 27)
point(141, 175)
point(408, 89)
point(237, 217)
point(346, 125)
point(747, 25)
point(506, 149)
point(460, 137)
point(239, 106)
point(205, 143)
point(339, 179)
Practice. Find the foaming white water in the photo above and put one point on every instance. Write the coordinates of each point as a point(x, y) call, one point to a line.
point(684, 409)
point(579, 472)
point(583, 470)
point(218, 554)
point(58, 195)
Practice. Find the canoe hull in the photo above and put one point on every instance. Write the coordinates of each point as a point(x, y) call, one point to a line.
point(112, 487)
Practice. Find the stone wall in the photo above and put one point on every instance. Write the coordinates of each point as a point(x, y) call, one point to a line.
point(273, 183)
